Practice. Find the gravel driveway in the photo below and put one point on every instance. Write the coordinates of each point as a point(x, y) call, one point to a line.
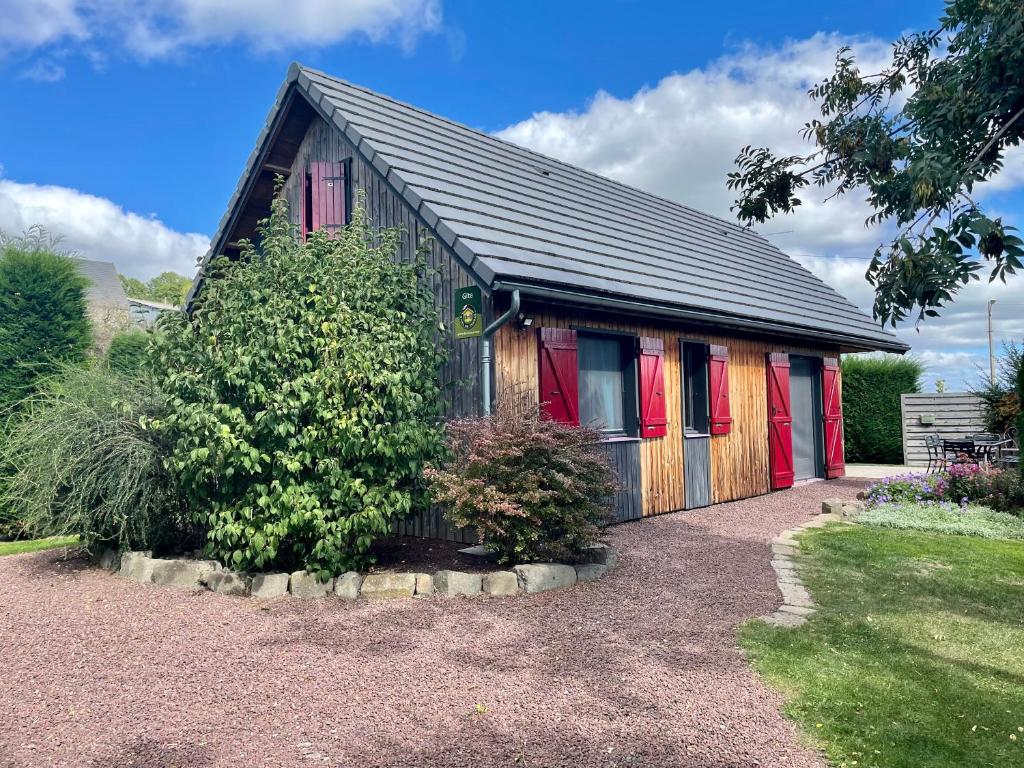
point(640, 668)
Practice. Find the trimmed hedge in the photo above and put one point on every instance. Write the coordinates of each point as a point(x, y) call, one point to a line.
point(871, 406)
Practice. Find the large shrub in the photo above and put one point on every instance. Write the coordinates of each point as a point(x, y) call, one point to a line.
point(127, 352)
point(304, 396)
point(82, 462)
point(42, 313)
point(533, 489)
point(872, 387)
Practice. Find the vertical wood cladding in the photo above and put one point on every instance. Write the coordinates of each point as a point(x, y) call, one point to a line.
point(739, 459)
point(324, 143)
point(697, 455)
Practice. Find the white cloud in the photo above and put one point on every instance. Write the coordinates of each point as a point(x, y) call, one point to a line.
point(680, 137)
point(157, 28)
point(96, 228)
point(44, 71)
point(32, 23)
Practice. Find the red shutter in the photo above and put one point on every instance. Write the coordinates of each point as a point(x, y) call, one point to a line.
point(780, 422)
point(832, 410)
point(652, 388)
point(718, 383)
point(559, 375)
point(328, 196)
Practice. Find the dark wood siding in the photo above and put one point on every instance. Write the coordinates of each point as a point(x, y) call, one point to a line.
point(697, 463)
point(322, 142)
point(625, 456)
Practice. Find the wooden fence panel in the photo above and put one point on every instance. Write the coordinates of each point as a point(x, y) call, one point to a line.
point(956, 415)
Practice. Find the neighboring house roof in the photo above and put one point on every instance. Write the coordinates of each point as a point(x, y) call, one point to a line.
point(157, 305)
point(519, 219)
point(104, 284)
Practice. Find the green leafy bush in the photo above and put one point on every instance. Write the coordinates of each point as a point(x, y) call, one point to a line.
point(127, 352)
point(42, 313)
point(533, 489)
point(304, 396)
point(82, 462)
point(872, 423)
point(970, 520)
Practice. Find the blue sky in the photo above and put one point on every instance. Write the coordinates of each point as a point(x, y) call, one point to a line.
point(126, 124)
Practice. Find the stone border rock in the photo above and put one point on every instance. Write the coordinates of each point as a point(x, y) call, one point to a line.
point(208, 574)
point(797, 603)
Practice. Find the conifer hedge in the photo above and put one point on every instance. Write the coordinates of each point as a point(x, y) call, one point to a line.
point(871, 406)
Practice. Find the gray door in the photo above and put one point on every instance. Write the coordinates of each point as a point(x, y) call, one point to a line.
point(805, 396)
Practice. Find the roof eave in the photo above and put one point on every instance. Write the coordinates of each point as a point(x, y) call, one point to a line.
point(847, 342)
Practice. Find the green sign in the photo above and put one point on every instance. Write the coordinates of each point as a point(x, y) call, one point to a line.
point(469, 313)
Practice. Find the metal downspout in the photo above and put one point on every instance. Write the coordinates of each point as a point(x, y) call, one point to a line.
point(485, 351)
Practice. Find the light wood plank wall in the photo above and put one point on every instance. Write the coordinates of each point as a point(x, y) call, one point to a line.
point(739, 460)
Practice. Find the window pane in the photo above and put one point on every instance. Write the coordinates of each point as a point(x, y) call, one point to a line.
point(601, 383)
point(695, 396)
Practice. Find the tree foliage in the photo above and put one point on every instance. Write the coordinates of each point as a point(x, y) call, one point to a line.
point(915, 138)
point(167, 288)
point(533, 489)
point(42, 312)
point(1001, 398)
point(872, 422)
point(304, 395)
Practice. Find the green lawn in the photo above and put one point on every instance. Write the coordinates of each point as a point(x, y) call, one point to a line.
point(35, 545)
point(916, 655)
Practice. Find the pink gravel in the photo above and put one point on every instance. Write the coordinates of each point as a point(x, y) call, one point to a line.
point(638, 669)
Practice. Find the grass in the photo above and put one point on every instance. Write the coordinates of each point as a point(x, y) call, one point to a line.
point(916, 654)
point(36, 545)
point(973, 520)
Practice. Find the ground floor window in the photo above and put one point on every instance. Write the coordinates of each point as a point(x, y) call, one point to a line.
point(607, 383)
point(695, 388)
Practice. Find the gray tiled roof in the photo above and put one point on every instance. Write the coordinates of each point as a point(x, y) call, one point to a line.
point(520, 218)
point(104, 285)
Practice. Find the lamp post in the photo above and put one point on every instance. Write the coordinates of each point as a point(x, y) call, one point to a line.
point(991, 353)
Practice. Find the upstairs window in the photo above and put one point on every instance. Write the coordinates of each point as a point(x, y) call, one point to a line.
point(607, 383)
point(695, 388)
point(325, 197)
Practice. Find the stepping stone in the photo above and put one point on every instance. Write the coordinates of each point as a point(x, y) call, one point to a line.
point(796, 609)
point(781, 619)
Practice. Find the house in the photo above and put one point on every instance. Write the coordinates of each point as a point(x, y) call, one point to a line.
point(708, 358)
point(144, 313)
point(106, 303)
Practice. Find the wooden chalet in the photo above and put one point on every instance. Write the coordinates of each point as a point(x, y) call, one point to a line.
point(708, 357)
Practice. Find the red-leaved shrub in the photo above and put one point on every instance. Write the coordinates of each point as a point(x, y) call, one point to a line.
point(533, 489)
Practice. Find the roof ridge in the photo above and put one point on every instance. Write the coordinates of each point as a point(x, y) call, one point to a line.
point(406, 105)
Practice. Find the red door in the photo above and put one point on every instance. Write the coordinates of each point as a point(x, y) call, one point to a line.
point(780, 422)
point(832, 412)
